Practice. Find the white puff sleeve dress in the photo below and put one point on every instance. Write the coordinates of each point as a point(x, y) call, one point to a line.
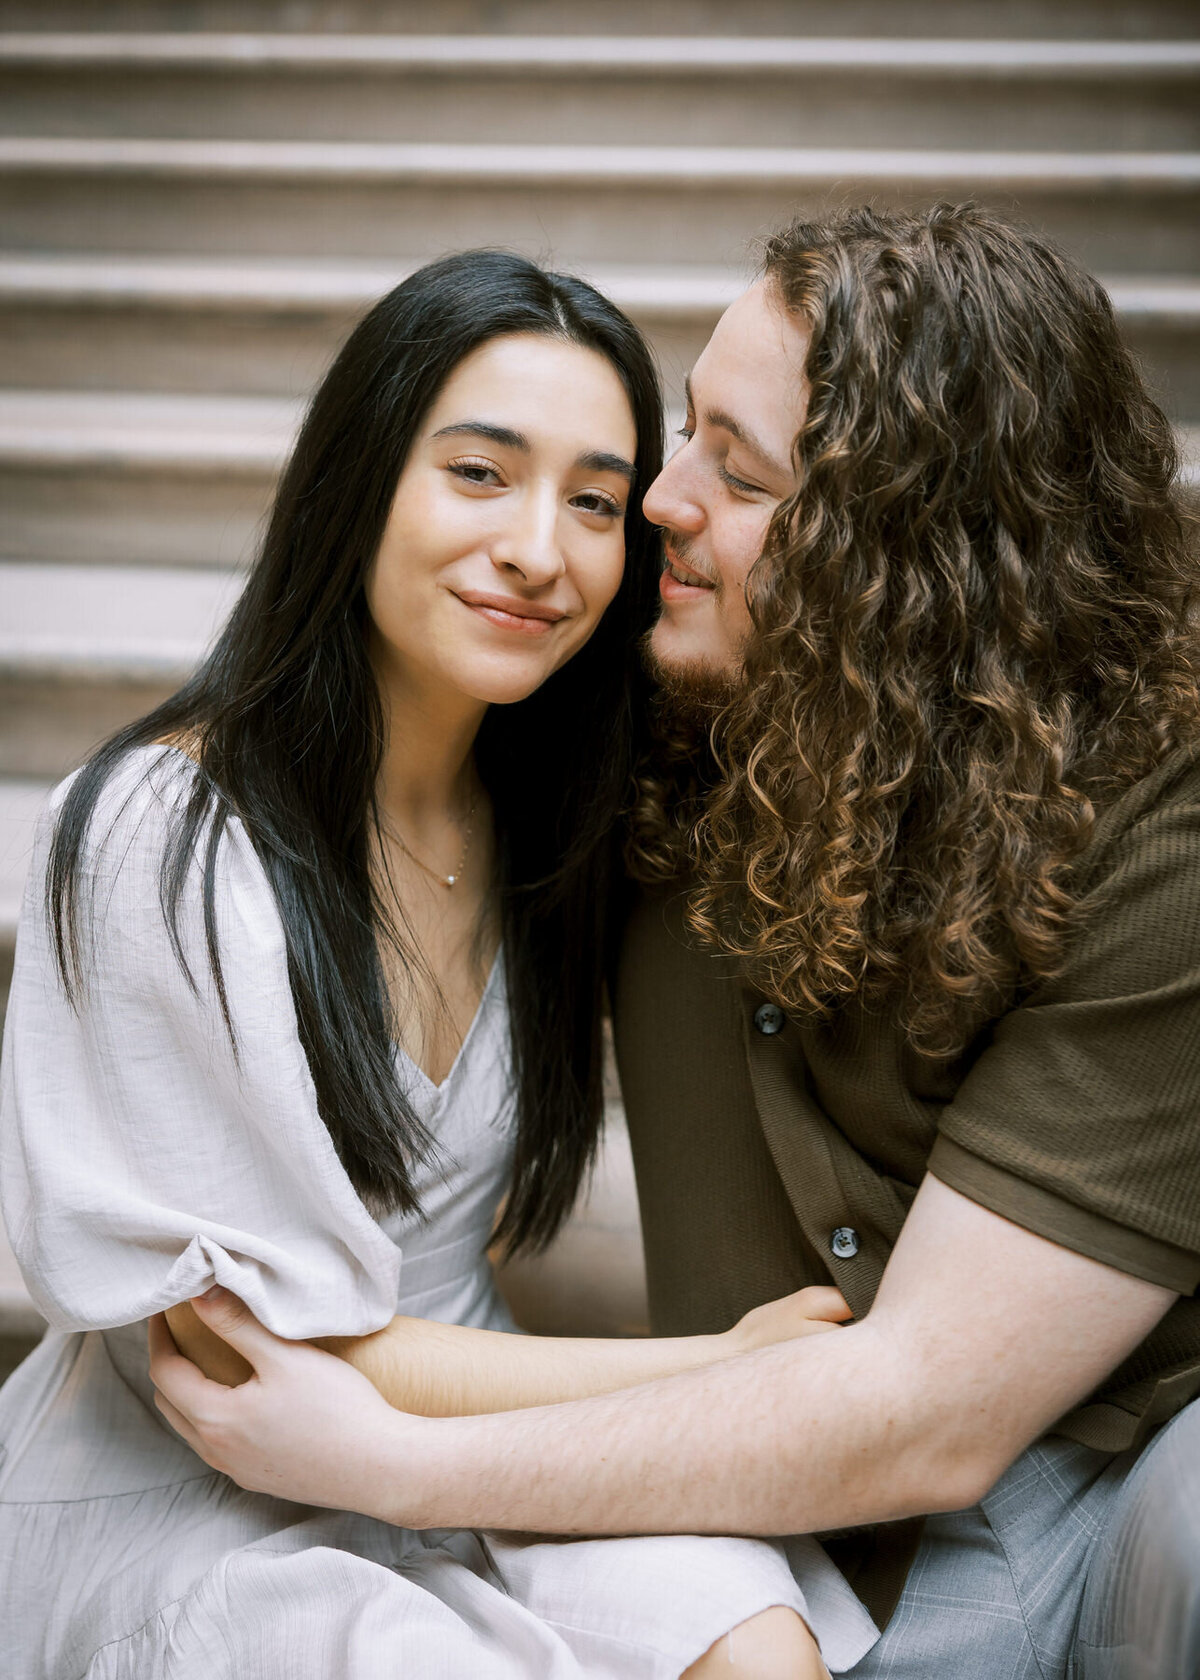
point(141, 1161)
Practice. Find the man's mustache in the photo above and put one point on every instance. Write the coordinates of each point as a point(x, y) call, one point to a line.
point(681, 550)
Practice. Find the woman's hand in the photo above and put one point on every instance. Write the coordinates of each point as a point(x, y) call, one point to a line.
point(305, 1426)
point(806, 1313)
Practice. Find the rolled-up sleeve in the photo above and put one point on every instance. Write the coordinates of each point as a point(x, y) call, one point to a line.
point(1081, 1119)
point(142, 1156)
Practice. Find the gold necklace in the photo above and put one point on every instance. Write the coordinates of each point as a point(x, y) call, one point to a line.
point(442, 880)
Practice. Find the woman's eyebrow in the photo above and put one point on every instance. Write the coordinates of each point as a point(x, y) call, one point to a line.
point(503, 435)
point(592, 460)
point(600, 460)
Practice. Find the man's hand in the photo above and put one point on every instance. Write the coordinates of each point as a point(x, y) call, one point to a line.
point(304, 1426)
point(981, 1336)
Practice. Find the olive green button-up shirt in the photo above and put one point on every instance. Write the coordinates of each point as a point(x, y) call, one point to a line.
point(773, 1153)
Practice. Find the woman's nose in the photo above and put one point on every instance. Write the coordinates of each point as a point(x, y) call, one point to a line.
point(531, 544)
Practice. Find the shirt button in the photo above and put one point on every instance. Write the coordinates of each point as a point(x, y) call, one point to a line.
point(844, 1242)
point(769, 1018)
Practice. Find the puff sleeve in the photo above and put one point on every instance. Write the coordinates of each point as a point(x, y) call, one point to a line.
point(141, 1159)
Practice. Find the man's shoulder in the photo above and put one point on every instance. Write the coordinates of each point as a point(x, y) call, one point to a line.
point(652, 918)
point(1158, 817)
point(1173, 785)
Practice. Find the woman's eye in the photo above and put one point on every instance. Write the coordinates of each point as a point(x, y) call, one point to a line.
point(593, 501)
point(475, 472)
point(686, 433)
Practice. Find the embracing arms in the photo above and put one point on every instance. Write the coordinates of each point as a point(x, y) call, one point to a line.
point(450, 1370)
point(981, 1336)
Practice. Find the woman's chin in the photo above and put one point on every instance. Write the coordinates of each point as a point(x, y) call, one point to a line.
point(505, 694)
point(505, 687)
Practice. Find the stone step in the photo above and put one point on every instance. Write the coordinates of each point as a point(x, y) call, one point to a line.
point(129, 478)
point(1074, 19)
point(591, 1281)
point(122, 624)
point(680, 149)
point(85, 649)
point(270, 327)
point(555, 55)
point(259, 326)
point(21, 1325)
point(88, 645)
point(569, 165)
point(604, 89)
point(653, 205)
point(119, 430)
point(290, 287)
point(49, 723)
point(21, 799)
point(102, 481)
point(151, 512)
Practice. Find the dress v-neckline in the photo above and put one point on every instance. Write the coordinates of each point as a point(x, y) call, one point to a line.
point(439, 1090)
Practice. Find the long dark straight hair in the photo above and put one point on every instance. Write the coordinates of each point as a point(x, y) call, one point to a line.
point(285, 723)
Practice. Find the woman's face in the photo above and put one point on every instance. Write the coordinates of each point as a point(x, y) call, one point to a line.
point(505, 541)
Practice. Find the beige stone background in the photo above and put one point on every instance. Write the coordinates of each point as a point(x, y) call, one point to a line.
point(198, 197)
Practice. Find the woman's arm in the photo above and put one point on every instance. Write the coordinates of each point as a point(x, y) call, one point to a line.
point(982, 1334)
point(449, 1370)
point(205, 1348)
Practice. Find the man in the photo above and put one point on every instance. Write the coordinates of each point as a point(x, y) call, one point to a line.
point(911, 1000)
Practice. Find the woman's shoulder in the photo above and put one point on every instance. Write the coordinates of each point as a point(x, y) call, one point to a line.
point(136, 864)
point(159, 766)
point(122, 814)
point(134, 833)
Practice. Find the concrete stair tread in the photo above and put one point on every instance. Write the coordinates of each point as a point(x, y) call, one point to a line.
point(128, 623)
point(600, 165)
point(627, 55)
point(19, 1318)
point(21, 801)
point(112, 428)
point(287, 285)
point(1166, 298)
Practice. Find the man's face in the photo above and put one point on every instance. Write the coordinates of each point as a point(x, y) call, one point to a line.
point(716, 495)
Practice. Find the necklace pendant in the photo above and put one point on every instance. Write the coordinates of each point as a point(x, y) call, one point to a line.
point(450, 880)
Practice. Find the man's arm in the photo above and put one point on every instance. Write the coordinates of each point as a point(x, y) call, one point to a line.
point(981, 1336)
point(452, 1370)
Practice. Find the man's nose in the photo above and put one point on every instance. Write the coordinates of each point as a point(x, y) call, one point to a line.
point(671, 500)
point(531, 545)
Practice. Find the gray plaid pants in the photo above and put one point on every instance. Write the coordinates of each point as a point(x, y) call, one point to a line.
point(1079, 1565)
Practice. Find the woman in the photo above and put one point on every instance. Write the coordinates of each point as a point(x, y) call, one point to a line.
point(308, 983)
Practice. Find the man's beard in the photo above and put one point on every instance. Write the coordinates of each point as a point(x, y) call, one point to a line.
point(690, 694)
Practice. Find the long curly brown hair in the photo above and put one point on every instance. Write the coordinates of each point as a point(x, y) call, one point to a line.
point(974, 624)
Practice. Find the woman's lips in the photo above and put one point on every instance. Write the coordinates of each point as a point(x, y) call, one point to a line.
point(523, 618)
